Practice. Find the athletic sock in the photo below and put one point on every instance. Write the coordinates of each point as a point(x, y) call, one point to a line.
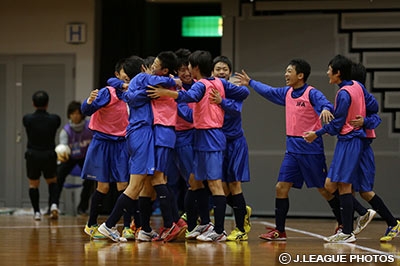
point(95, 206)
point(127, 216)
point(53, 193)
point(174, 205)
point(163, 198)
point(229, 200)
point(360, 209)
point(123, 203)
point(191, 209)
point(379, 206)
point(34, 196)
point(335, 207)
point(239, 210)
point(281, 210)
point(203, 203)
point(219, 212)
point(346, 207)
point(145, 212)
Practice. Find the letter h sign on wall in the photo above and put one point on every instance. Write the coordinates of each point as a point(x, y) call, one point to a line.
point(75, 33)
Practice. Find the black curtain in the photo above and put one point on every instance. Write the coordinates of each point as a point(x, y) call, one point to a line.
point(136, 27)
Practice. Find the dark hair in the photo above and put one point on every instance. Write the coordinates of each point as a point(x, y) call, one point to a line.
point(72, 107)
point(133, 66)
point(301, 66)
point(203, 60)
point(342, 64)
point(183, 57)
point(119, 65)
point(168, 59)
point(222, 59)
point(148, 61)
point(358, 72)
point(40, 99)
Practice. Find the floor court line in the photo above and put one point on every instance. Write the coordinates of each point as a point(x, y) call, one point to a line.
point(321, 237)
point(40, 226)
point(307, 233)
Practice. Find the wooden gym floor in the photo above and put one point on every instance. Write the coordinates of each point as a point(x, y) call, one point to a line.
point(63, 242)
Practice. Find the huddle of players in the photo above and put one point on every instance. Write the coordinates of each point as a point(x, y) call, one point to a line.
point(192, 122)
point(200, 122)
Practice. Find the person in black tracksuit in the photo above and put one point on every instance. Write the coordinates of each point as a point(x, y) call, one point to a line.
point(41, 128)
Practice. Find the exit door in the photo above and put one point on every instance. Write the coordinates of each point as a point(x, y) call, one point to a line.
point(20, 77)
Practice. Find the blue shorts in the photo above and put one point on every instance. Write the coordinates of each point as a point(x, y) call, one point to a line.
point(236, 161)
point(106, 161)
point(175, 178)
point(141, 151)
point(184, 158)
point(299, 168)
point(366, 176)
point(345, 166)
point(163, 158)
point(172, 171)
point(208, 165)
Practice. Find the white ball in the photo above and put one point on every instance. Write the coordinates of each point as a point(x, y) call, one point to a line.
point(63, 151)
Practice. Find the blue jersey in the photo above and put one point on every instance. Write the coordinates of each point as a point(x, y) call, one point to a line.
point(116, 83)
point(184, 137)
point(367, 162)
point(183, 155)
point(232, 127)
point(236, 156)
point(372, 121)
point(278, 96)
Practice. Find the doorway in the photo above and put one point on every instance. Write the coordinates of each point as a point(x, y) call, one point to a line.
point(20, 77)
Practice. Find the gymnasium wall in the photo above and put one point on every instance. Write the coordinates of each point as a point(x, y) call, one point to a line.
point(265, 41)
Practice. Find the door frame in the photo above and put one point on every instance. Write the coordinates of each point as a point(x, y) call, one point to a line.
point(16, 189)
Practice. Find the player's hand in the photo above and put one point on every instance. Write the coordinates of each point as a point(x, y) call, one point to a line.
point(326, 116)
point(62, 157)
point(155, 92)
point(93, 95)
point(125, 86)
point(244, 79)
point(234, 80)
point(309, 136)
point(215, 97)
point(178, 82)
point(146, 69)
point(358, 122)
